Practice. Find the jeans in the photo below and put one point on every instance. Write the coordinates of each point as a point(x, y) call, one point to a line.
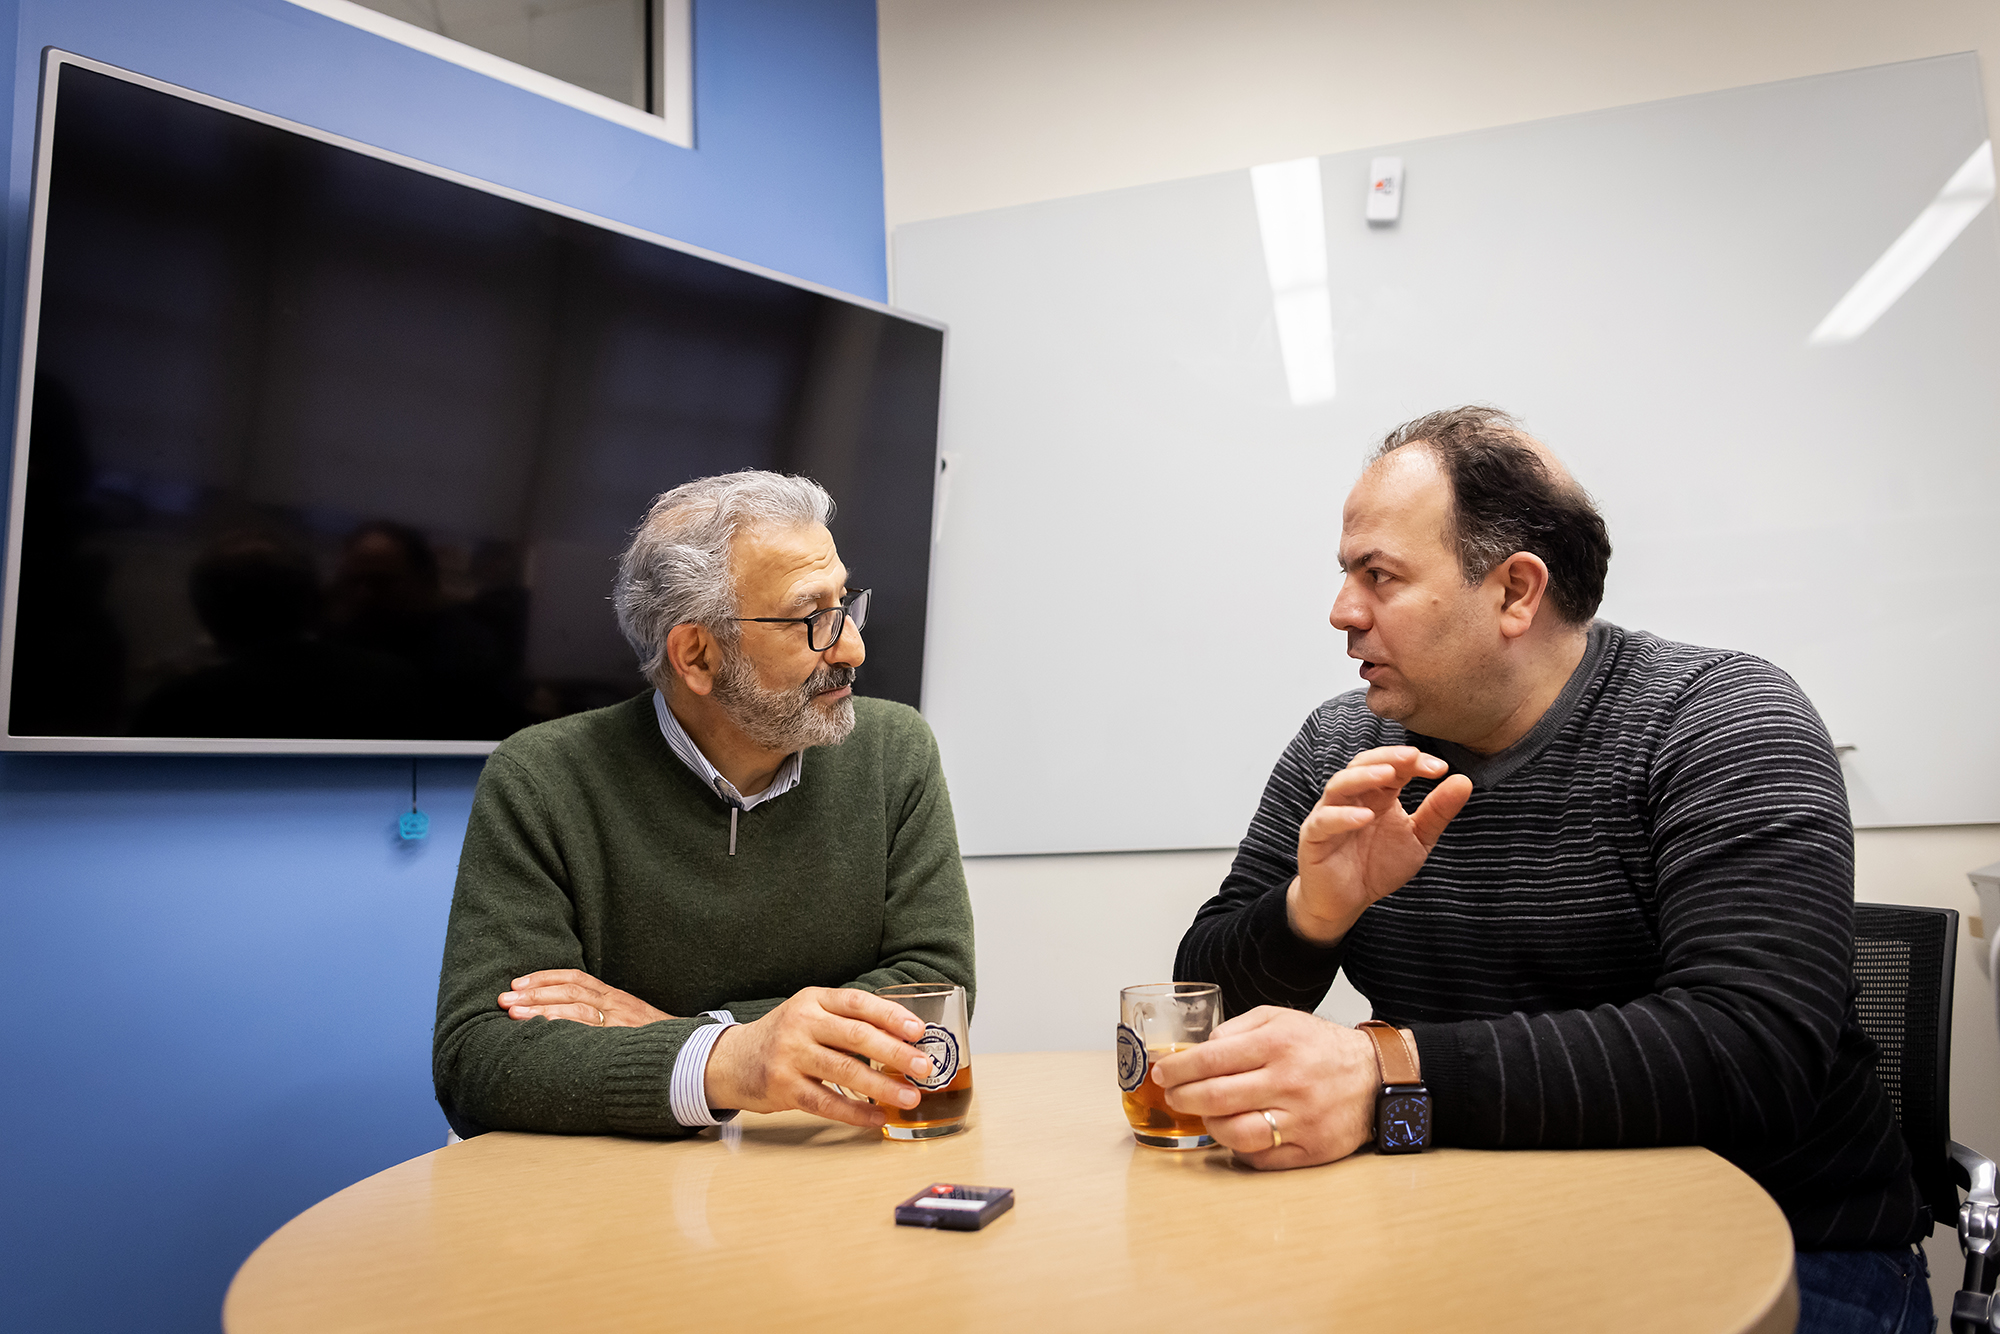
point(1865, 1292)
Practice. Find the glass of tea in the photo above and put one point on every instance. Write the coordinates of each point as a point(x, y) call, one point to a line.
point(947, 1090)
point(1157, 1020)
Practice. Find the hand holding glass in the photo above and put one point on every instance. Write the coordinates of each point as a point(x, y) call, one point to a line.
point(1157, 1020)
point(947, 1090)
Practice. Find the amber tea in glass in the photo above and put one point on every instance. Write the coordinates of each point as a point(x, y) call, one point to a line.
point(1155, 1021)
point(946, 1093)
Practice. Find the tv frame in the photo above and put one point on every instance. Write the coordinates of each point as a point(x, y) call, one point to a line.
point(53, 59)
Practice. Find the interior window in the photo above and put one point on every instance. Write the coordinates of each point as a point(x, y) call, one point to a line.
point(603, 45)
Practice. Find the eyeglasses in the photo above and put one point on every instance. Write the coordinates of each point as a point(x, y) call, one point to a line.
point(824, 627)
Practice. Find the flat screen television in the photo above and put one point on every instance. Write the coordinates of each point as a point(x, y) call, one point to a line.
point(320, 448)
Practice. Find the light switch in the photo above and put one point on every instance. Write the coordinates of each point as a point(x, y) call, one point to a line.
point(1385, 189)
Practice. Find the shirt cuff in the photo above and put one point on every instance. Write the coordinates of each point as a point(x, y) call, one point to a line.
point(1443, 1063)
point(687, 1088)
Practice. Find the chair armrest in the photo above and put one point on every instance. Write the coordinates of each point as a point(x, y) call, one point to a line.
point(1973, 1308)
point(1975, 1173)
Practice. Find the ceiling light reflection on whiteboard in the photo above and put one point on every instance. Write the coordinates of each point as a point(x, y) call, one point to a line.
point(1305, 341)
point(1969, 190)
point(1291, 221)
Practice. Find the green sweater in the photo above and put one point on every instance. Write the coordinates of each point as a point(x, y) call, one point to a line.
point(593, 846)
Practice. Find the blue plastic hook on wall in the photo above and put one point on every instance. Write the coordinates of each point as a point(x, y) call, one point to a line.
point(416, 824)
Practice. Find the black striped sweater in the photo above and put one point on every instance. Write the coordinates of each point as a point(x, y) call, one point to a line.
point(1639, 931)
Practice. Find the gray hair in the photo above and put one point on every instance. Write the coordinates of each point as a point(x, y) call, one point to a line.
point(676, 571)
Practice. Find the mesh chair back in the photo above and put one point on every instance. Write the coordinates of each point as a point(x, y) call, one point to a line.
point(1903, 968)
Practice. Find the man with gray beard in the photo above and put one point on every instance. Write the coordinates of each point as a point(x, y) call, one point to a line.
point(679, 907)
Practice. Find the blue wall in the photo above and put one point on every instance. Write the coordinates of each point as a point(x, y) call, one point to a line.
point(222, 971)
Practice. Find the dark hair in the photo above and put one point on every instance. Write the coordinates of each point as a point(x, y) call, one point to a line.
point(1505, 498)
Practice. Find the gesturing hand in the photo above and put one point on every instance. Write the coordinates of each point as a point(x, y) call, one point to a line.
point(572, 994)
point(777, 1063)
point(1359, 845)
point(1318, 1080)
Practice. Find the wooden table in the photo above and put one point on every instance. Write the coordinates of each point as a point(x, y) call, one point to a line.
point(784, 1222)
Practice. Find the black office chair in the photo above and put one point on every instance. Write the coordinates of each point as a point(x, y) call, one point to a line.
point(1903, 962)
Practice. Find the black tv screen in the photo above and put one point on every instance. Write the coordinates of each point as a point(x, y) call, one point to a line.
point(324, 449)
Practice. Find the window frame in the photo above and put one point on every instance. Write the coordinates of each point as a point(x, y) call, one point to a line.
point(670, 62)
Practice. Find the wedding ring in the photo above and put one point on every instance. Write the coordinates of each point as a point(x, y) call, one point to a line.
point(600, 1024)
point(1277, 1140)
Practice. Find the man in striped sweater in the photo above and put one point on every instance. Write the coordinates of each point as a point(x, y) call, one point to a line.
point(1604, 882)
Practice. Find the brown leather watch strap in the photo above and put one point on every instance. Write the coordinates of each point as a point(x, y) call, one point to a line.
point(1395, 1050)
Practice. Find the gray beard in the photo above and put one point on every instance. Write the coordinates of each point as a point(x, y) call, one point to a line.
point(784, 720)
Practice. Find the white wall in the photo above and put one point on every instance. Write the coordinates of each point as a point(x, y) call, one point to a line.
point(988, 105)
point(1058, 936)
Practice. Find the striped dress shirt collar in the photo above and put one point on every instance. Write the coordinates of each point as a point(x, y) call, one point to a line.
point(683, 745)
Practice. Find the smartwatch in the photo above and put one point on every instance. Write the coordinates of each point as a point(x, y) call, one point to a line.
point(1403, 1109)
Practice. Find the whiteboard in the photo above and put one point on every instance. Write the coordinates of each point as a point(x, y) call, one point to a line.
point(1137, 526)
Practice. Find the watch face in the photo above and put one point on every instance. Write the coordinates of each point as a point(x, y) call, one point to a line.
point(1403, 1122)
